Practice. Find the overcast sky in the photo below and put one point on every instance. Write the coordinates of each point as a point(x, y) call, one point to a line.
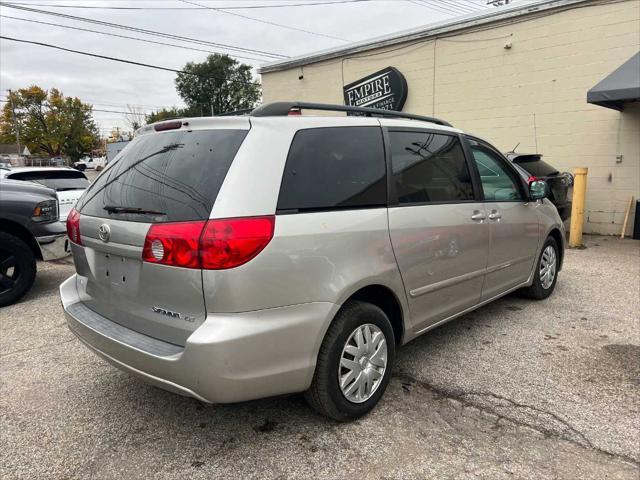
point(112, 86)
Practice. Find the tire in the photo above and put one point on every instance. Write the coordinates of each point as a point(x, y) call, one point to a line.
point(325, 394)
point(537, 290)
point(17, 268)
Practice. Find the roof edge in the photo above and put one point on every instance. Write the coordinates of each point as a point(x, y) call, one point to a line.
point(420, 33)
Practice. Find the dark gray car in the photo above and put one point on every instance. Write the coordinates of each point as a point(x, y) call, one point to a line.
point(29, 230)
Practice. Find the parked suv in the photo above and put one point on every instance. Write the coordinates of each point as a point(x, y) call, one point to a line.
point(68, 184)
point(558, 182)
point(234, 258)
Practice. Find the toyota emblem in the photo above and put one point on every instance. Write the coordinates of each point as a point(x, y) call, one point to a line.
point(104, 232)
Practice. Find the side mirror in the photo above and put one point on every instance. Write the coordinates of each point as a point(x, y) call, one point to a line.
point(538, 189)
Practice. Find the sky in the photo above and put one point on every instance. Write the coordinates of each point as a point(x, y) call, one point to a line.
point(116, 86)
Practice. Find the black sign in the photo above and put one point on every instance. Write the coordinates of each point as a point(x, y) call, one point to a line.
point(386, 89)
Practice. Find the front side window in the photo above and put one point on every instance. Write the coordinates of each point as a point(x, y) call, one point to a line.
point(498, 180)
point(334, 168)
point(429, 167)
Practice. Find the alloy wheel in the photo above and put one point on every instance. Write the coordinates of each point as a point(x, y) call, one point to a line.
point(363, 363)
point(548, 267)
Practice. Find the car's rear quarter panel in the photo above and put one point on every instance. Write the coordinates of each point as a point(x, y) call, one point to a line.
point(313, 257)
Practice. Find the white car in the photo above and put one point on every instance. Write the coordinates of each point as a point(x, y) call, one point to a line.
point(68, 183)
point(89, 163)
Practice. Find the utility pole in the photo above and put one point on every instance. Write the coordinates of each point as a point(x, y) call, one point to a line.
point(15, 124)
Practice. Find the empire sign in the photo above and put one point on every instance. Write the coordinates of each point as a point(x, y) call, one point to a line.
point(386, 89)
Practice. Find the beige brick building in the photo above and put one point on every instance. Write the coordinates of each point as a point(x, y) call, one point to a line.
point(511, 75)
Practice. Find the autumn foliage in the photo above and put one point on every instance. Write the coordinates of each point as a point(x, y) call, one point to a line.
point(49, 123)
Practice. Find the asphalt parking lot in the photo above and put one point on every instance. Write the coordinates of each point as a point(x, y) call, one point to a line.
point(517, 389)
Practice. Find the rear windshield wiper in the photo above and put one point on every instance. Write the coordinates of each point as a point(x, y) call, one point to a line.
point(121, 209)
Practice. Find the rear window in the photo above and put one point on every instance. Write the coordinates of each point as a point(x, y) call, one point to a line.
point(535, 166)
point(334, 168)
point(173, 176)
point(58, 180)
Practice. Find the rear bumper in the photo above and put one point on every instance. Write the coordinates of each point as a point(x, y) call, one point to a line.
point(564, 210)
point(231, 357)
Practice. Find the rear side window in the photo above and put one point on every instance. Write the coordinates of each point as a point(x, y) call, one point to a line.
point(329, 168)
point(429, 167)
point(172, 176)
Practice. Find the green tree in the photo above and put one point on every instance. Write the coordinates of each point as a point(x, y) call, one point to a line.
point(49, 122)
point(219, 84)
point(169, 113)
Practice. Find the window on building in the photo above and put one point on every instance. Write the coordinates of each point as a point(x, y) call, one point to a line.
point(499, 182)
point(429, 167)
point(341, 167)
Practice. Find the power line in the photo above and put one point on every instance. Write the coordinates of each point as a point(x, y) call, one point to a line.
point(112, 104)
point(261, 53)
point(450, 6)
point(266, 22)
point(130, 62)
point(92, 109)
point(477, 5)
point(246, 7)
point(435, 7)
point(127, 37)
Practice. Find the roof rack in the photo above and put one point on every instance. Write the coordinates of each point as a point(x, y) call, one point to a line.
point(244, 111)
point(277, 109)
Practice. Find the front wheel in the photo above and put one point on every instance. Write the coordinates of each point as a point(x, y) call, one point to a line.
point(17, 268)
point(546, 273)
point(354, 362)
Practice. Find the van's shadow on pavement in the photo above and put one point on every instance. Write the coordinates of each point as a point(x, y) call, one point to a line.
point(177, 415)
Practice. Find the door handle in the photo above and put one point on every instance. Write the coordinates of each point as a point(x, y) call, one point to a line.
point(478, 216)
point(495, 215)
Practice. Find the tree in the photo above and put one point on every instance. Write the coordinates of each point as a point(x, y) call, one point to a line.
point(218, 85)
point(169, 113)
point(49, 122)
point(134, 117)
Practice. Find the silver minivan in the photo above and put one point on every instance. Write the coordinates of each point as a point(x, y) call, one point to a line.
point(233, 258)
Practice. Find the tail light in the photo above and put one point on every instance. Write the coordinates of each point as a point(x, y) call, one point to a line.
point(231, 242)
point(212, 245)
point(73, 226)
point(161, 127)
point(173, 244)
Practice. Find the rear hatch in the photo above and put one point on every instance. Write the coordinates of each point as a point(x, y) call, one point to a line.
point(558, 182)
point(159, 178)
point(68, 184)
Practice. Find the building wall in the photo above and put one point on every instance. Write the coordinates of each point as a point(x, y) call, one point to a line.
point(533, 94)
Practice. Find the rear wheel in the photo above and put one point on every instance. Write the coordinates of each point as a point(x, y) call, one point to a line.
point(17, 268)
point(354, 363)
point(546, 274)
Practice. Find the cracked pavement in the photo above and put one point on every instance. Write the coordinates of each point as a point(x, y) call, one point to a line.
point(516, 389)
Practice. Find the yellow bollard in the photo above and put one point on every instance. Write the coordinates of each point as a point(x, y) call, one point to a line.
point(577, 207)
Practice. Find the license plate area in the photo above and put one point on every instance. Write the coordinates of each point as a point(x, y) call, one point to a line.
point(120, 274)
